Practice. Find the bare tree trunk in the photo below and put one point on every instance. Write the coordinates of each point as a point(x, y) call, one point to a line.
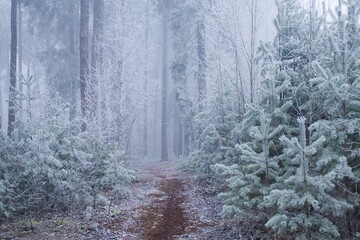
point(96, 57)
point(0, 106)
point(20, 59)
point(181, 138)
point(146, 76)
point(201, 74)
point(239, 85)
point(120, 99)
point(84, 58)
point(178, 126)
point(164, 152)
point(12, 92)
point(176, 132)
point(28, 92)
point(1, 101)
point(155, 126)
point(74, 65)
point(252, 72)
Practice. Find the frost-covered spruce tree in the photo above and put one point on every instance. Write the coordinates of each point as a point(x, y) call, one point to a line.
point(299, 41)
point(337, 88)
point(217, 123)
point(49, 164)
point(25, 173)
point(256, 169)
point(260, 161)
point(90, 165)
point(304, 195)
point(254, 165)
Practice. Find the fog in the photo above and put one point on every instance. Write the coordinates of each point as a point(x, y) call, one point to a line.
point(132, 48)
point(203, 119)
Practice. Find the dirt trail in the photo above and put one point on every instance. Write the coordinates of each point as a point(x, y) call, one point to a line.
point(166, 203)
point(169, 209)
point(164, 217)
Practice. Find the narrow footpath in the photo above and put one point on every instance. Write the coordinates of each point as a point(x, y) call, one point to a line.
point(168, 205)
point(165, 203)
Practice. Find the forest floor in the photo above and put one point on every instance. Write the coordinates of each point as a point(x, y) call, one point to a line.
point(166, 203)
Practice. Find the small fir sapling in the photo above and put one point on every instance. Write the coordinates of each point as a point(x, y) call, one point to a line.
point(303, 194)
point(250, 179)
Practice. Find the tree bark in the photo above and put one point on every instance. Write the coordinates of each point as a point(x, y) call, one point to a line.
point(74, 62)
point(20, 59)
point(187, 138)
point(176, 132)
point(119, 86)
point(1, 100)
point(84, 58)
point(1, 109)
point(13, 50)
point(146, 76)
point(252, 72)
point(201, 51)
point(96, 57)
point(155, 122)
point(164, 152)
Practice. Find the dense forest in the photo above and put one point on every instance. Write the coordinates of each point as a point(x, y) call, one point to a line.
point(259, 99)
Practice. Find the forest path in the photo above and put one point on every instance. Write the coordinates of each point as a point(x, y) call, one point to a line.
point(165, 203)
point(169, 206)
point(164, 216)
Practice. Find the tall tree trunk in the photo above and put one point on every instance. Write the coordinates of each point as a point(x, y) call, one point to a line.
point(181, 139)
point(28, 92)
point(239, 85)
point(201, 74)
point(20, 59)
point(176, 132)
point(74, 63)
point(240, 96)
point(96, 58)
point(119, 87)
point(164, 152)
point(187, 138)
point(146, 76)
point(252, 72)
point(155, 118)
point(12, 92)
point(96, 69)
point(84, 58)
point(1, 108)
point(1, 99)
